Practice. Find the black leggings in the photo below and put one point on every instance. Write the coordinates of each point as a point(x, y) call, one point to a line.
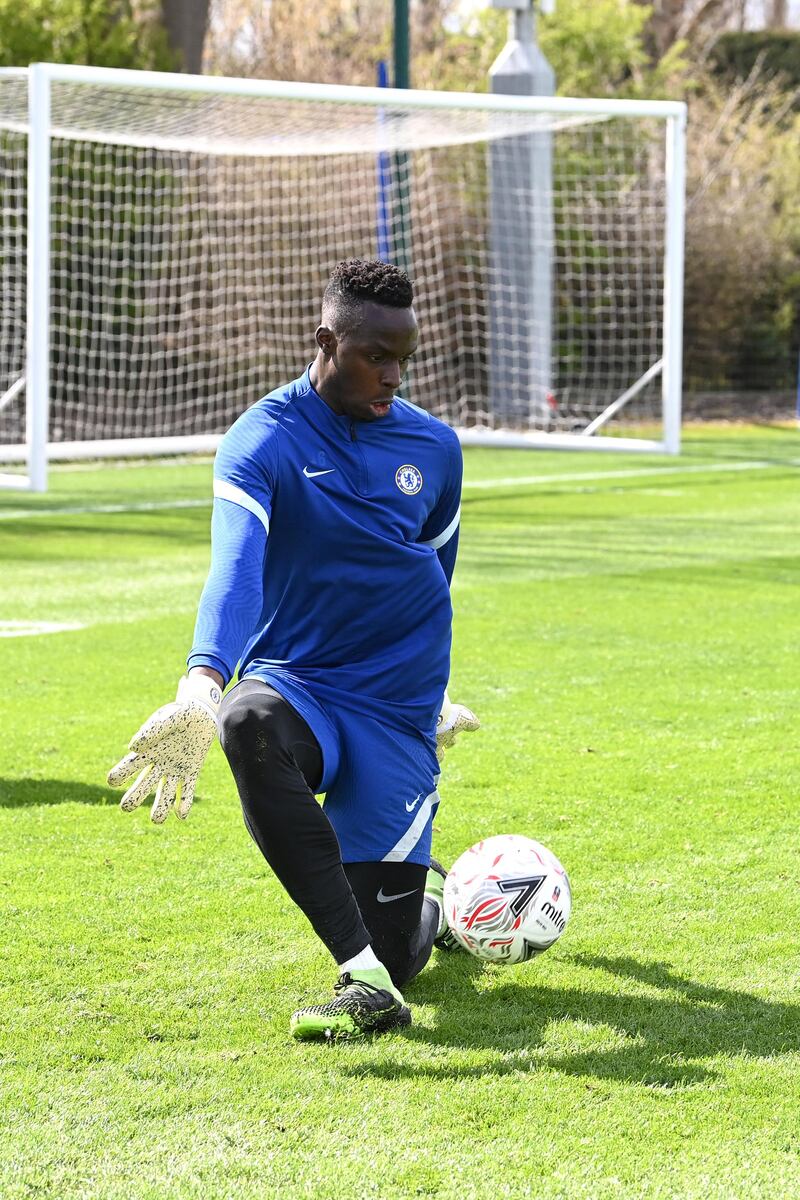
point(277, 765)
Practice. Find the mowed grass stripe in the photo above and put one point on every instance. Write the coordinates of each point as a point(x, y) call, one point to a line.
point(578, 477)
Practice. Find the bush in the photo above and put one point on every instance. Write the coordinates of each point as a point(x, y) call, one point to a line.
point(742, 282)
point(736, 55)
point(100, 33)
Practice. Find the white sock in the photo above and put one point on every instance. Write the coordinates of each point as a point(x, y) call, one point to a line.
point(365, 960)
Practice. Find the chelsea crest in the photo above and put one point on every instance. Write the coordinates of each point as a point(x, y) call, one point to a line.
point(408, 479)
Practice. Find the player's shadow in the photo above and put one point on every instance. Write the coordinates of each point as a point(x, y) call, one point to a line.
point(657, 1034)
point(24, 793)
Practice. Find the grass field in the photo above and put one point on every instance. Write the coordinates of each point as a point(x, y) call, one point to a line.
point(627, 628)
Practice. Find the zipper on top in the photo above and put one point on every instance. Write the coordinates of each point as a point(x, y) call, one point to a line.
point(362, 481)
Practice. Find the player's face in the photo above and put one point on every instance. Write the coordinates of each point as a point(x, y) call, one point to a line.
point(369, 362)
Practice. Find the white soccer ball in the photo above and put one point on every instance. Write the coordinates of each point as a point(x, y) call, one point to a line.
point(507, 898)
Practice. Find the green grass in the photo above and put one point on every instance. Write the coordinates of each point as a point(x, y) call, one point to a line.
point(629, 639)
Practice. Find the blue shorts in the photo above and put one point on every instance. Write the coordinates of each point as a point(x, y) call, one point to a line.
point(379, 783)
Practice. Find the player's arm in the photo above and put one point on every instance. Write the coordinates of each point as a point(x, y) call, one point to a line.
point(232, 599)
point(441, 533)
point(168, 751)
point(441, 527)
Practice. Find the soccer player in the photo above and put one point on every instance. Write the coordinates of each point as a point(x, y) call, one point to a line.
point(334, 535)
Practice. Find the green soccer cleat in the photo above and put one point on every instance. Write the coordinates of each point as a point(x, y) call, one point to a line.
point(434, 888)
point(365, 1002)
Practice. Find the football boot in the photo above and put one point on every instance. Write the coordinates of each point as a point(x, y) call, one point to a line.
point(365, 1001)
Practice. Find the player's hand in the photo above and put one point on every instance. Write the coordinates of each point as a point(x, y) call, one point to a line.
point(452, 720)
point(169, 749)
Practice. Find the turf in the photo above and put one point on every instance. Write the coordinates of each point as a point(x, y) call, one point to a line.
point(627, 630)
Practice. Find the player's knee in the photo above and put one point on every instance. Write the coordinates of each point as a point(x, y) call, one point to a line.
point(252, 729)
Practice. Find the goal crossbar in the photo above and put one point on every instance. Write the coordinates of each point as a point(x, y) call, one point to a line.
point(348, 94)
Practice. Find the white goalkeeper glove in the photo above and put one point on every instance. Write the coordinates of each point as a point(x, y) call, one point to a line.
point(169, 750)
point(452, 720)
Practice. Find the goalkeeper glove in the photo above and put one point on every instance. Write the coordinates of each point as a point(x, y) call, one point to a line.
point(452, 719)
point(169, 749)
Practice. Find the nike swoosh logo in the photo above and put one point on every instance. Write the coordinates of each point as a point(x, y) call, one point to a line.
point(410, 807)
point(313, 474)
point(384, 899)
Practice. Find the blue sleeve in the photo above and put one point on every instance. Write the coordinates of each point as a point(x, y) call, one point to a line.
point(231, 604)
point(441, 528)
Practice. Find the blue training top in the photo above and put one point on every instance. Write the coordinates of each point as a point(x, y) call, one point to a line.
point(333, 545)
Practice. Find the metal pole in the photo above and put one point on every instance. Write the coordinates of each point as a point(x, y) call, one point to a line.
point(521, 237)
point(383, 181)
point(672, 379)
point(402, 42)
point(402, 160)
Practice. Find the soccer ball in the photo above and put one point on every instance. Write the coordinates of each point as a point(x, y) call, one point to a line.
point(507, 898)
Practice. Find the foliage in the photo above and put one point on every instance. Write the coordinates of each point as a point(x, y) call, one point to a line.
point(458, 60)
point(596, 49)
point(599, 49)
point(735, 55)
point(107, 33)
point(742, 281)
point(743, 235)
point(342, 44)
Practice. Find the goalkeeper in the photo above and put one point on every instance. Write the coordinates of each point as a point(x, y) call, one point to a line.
point(334, 536)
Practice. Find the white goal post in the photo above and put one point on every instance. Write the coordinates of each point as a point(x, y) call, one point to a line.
point(165, 239)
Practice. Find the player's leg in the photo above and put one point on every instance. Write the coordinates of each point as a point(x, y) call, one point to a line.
point(402, 919)
point(277, 765)
point(381, 806)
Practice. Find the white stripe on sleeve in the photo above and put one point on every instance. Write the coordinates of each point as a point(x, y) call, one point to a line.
point(444, 537)
point(228, 491)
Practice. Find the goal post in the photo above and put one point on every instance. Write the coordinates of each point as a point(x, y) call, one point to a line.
point(17, 414)
point(164, 242)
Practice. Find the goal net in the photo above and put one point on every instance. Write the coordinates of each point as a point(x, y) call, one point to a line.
point(163, 264)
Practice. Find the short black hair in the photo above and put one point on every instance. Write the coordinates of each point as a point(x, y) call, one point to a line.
point(357, 281)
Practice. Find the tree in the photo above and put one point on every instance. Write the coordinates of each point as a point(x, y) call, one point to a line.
point(600, 49)
point(742, 286)
point(107, 33)
point(596, 49)
point(342, 43)
point(186, 23)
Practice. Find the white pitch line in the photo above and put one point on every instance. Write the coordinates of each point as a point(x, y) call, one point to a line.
point(10, 629)
point(19, 514)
